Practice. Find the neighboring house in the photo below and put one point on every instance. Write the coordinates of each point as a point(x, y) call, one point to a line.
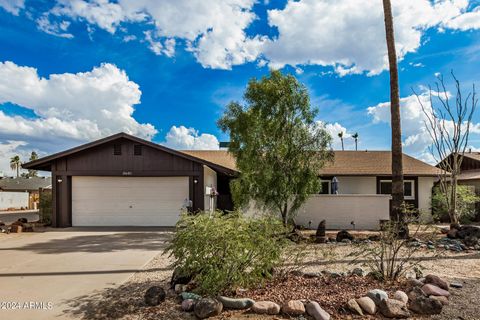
point(122, 180)
point(30, 185)
point(470, 173)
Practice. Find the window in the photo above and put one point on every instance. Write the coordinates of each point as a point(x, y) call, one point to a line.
point(326, 188)
point(117, 149)
point(137, 150)
point(408, 185)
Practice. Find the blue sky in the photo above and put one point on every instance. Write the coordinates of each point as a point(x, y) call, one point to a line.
point(74, 71)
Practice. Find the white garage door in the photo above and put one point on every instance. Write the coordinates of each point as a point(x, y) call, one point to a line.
point(128, 201)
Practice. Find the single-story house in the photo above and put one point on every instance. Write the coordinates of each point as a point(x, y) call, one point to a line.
point(29, 185)
point(123, 180)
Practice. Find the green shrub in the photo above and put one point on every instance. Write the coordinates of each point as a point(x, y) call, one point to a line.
point(224, 252)
point(466, 200)
point(45, 207)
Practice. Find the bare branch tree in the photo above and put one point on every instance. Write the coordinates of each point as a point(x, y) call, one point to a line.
point(448, 125)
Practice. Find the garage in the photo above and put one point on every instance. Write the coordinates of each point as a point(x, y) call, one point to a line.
point(122, 180)
point(128, 201)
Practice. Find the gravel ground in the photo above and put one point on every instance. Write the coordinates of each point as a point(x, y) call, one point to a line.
point(126, 301)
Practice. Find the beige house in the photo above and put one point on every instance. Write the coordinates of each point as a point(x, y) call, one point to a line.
point(363, 188)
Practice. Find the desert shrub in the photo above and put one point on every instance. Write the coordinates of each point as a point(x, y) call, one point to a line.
point(466, 200)
point(45, 207)
point(392, 256)
point(223, 252)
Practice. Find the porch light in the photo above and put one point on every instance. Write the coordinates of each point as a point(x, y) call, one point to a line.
point(59, 180)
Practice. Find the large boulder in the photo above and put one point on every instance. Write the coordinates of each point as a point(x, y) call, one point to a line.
point(432, 290)
point(344, 234)
point(236, 303)
point(392, 308)
point(367, 305)
point(154, 296)
point(415, 292)
point(266, 307)
point(468, 231)
point(207, 307)
point(436, 281)
point(316, 312)
point(425, 305)
point(293, 308)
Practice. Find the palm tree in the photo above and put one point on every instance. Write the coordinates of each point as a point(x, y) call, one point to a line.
point(340, 135)
point(355, 137)
point(397, 212)
point(15, 164)
point(33, 156)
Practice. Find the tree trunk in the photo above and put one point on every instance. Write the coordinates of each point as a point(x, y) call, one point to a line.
point(18, 170)
point(397, 213)
point(452, 210)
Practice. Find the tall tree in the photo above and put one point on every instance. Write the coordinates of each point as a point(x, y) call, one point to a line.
point(397, 213)
point(278, 145)
point(355, 137)
point(340, 135)
point(32, 173)
point(449, 128)
point(15, 164)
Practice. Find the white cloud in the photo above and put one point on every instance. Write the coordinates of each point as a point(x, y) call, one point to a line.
point(58, 29)
point(349, 35)
point(184, 138)
point(334, 129)
point(70, 107)
point(416, 139)
point(12, 6)
point(8, 149)
point(213, 30)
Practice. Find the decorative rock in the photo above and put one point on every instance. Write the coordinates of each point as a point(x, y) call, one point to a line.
point(468, 231)
point(266, 307)
point(190, 295)
point(344, 234)
point(425, 305)
point(207, 307)
point(312, 274)
point(414, 283)
point(436, 281)
point(456, 285)
point(400, 296)
point(432, 290)
point(442, 299)
point(293, 308)
point(354, 307)
point(358, 272)
point(392, 308)
point(415, 293)
point(236, 303)
point(154, 296)
point(377, 295)
point(188, 305)
point(367, 305)
point(320, 235)
point(315, 311)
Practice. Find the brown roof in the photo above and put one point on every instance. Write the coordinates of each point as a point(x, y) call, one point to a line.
point(472, 155)
point(346, 163)
point(469, 175)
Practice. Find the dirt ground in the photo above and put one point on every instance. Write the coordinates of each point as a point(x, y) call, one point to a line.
point(126, 301)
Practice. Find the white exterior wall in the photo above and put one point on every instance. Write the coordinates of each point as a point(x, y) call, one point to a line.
point(339, 211)
point(425, 185)
point(209, 180)
point(357, 185)
point(15, 200)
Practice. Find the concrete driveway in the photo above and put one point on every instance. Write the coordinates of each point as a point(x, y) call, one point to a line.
point(42, 273)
